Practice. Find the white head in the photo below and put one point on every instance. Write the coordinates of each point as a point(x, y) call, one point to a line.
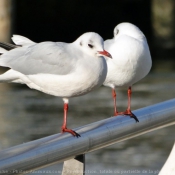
point(128, 29)
point(92, 44)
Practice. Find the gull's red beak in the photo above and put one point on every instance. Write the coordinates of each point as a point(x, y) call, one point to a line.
point(105, 53)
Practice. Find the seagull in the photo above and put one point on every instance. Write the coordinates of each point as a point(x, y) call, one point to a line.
point(131, 61)
point(61, 69)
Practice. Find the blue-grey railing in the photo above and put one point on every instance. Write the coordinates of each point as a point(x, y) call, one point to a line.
point(59, 147)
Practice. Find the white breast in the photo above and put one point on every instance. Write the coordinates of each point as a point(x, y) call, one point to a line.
point(131, 61)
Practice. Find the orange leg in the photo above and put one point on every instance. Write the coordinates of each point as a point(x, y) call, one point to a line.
point(115, 106)
point(64, 126)
point(128, 110)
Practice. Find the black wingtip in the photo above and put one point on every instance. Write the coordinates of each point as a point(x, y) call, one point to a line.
point(8, 46)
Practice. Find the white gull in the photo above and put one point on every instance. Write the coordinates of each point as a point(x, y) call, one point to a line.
point(131, 61)
point(61, 69)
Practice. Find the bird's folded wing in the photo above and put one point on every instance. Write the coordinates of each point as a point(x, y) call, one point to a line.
point(45, 57)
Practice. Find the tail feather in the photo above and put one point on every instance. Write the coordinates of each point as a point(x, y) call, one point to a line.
point(18, 40)
point(21, 40)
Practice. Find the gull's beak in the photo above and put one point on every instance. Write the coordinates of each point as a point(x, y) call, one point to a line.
point(105, 53)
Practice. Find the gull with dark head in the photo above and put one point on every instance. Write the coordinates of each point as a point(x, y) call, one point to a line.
point(131, 61)
point(61, 69)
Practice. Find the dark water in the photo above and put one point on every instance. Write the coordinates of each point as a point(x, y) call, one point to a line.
point(28, 114)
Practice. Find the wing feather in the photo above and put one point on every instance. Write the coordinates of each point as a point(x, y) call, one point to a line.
point(45, 57)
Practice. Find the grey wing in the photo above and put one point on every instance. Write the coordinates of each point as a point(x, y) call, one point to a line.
point(46, 57)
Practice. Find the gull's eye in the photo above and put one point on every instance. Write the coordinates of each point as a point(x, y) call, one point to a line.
point(90, 45)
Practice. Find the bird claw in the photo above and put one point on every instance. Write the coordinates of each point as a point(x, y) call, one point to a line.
point(134, 117)
point(130, 114)
point(75, 134)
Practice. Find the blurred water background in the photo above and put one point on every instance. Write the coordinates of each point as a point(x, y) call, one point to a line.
point(27, 114)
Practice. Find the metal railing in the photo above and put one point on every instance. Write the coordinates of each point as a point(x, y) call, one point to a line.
point(61, 147)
